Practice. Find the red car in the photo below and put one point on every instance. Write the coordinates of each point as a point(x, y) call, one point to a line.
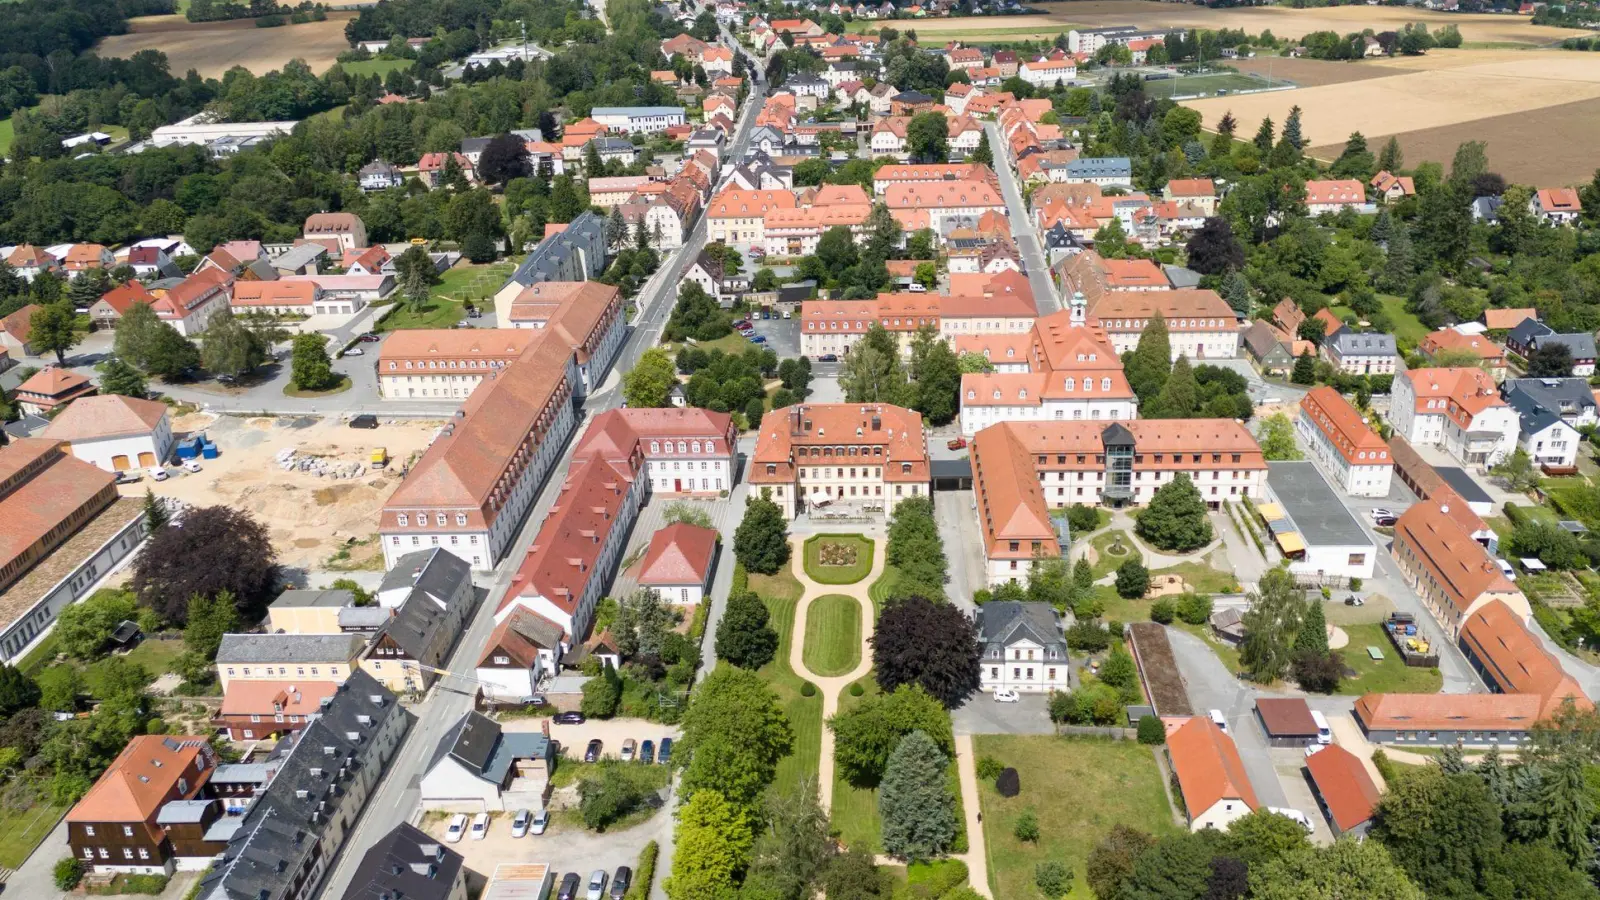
point(957, 443)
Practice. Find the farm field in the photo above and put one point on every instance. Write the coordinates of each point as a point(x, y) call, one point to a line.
point(212, 48)
point(1507, 98)
point(1312, 72)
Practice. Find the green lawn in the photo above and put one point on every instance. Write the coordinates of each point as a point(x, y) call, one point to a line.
point(156, 656)
point(1408, 329)
point(781, 592)
point(833, 635)
point(20, 833)
point(1202, 577)
point(849, 573)
point(7, 135)
point(855, 809)
point(1207, 84)
point(378, 67)
point(1389, 675)
point(882, 588)
point(1105, 563)
point(436, 313)
point(732, 344)
point(1078, 788)
point(40, 656)
point(289, 390)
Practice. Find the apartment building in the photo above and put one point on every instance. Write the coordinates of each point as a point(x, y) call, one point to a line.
point(1090, 40)
point(1005, 307)
point(737, 216)
point(863, 458)
point(575, 253)
point(1023, 648)
point(435, 364)
point(1549, 413)
point(1457, 409)
point(638, 119)
point(928, 173)
point(943, 205)
point(1353, 456)
point(125, 823)
point(1452, 573)
point(1361, 353)
point(1448, 339)
point(1022, 470)
point(1200, 324)
point(276, 657)
point(1063, 369)
point(414, 640)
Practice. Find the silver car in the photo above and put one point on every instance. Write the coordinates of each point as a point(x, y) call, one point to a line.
point(597, 885)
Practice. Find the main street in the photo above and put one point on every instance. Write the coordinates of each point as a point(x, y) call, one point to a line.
point(1044, 292)
point(397, 794)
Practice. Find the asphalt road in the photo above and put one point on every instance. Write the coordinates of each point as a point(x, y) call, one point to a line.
point(1044, 293)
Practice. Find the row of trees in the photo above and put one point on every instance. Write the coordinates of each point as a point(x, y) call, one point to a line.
point(928, 380)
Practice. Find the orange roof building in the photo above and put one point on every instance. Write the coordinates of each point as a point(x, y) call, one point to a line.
point(1023, 470)
point(1507, 319)
point(1216, 791)
point(1451, 572)
point(1344, 788)
point(862, 458)
point(1353, 456)
point(51, 388)
point(996, 305)
point(113, 432)
point(263, 710)
point(117, 825)
point(1459, 409)
point(1448, 339)
point(678, 563)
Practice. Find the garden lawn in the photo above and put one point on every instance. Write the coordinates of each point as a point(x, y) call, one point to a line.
point(1389, 675)
point(1408, 329)
point(882, 588)
point(846, 574)
point(1104, 563)
point(20, 833)
point(157, 656)
point(1202, 577)
point(378, 67)
point(1078, 788)
point(833, 635)
point(855, 809)
point(781, 592)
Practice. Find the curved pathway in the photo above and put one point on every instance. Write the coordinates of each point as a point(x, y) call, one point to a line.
point(832, 687)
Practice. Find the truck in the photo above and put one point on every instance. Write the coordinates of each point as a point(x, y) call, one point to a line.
point(379, 457)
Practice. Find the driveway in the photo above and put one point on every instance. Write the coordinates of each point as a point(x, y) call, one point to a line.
point(963, 545)
point(982, 715)
point(611, 732)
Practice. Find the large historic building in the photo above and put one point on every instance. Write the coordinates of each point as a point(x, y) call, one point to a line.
point(864, 457)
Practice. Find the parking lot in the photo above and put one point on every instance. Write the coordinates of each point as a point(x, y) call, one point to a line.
point(611, 733)
point(982, 714)
point(564, 849)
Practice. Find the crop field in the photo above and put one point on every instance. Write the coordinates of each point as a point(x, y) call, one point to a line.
point(1281, 21)
point(1535, 110)
point(212, 48)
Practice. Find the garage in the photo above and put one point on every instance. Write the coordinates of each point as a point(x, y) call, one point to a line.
point(951, 474)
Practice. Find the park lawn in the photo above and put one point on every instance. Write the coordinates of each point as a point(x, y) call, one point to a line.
point(157, 656)
point(438, 312)
point(1389, 675)
point(1078, 788)
point(1104, 563)
point(477, 282)
point(1202, 577)
point(781, 593)
point(1408, 329)
point(882, 588)
point(846, 574)
point(1102, 518)
point(21, 833)
point(343, 384)
point(378, 67)
point(833, 635)
point(855, 809)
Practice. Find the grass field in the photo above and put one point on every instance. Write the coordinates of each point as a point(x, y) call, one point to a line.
point(1203, 577)
point(378, 67)
point(445, 306)
point(838, 574)
point(1206, 85)
point(855, 809)
point(1408, 329)
point(1105, 563)
point(157, 656)
point(880, 589)
point(21, 833)
point(1078, 788)
point(1389, 675)
point(833, 635)
point(781, 592)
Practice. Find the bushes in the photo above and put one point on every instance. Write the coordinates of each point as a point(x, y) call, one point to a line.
point(1008, 784)
point(808, 690)
point(989, 768)
point(1163, 611)
point(856, 689)
point(1092, 704)
point(1194, 608)
point(608, 798)
point(1083, 519)
point(1151, 731)
point(1027, 827)
point(1088, 637)
point(68, 873)
point(1052, 878)
point(645, 872)
point(1133, 580)
point(935, 879)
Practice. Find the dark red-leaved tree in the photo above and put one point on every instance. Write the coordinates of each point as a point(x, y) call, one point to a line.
point(213, 549)
point(934, 644)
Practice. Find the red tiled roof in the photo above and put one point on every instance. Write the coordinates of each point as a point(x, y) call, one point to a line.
point(292, 698)
point(51, 381)
point(1458, 564)
point(1507, 319)
point(1448, 712)
point(1343, 425)
point(1515, 660)
point(106, 416)
point(1344, 784)
point(1208, 766)
point(144, 776)
point(679, 554)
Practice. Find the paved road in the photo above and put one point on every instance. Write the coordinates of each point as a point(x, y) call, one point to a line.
point(1044, 293)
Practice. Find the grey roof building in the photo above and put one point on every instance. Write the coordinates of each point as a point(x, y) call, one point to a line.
point(326, 772)
point(436, 572)
point(298, 258)
point(1100, 167)
point(287, 648)
point(407, 863)
point(479, 765)
point(1531, 334)
point(1023, 647)
point(1361, 343)
point(330, 597)
point(576, 253)
point(1568, 399)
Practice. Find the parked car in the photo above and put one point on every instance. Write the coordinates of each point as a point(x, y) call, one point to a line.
point(570, 718)
point(1385, 521)
point(370, 338)
point(787, 314)
point(1353, 600)
point(570, 885)
point(1293, 815)
point(364, 421)
point(597, 885)
point(758, 339)
point(628, 746)
point(1380, 513)
point(190, 465)
point(1505, 569)
point(520, 823)
point(129, 477)
point(355, 351)
point(537, 700)
point(456, 828)
point(541, 821)
point(593, 751)
point(1220, 720)
point(740, 323)
point(158, 474)
point(480, 826)
point(828, 357)
point(665, 756)
point(1005, 695)
point(620, 882)
point(957, 443)
point(474, 313)
point(647, 751)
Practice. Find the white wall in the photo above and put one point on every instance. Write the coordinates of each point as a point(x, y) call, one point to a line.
point(1220, 815)
point(156, 447)
point(1334, 561)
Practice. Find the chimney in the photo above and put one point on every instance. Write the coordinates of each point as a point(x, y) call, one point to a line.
point(877, 423)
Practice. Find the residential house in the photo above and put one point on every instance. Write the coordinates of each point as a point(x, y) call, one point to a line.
point(1211, 777)
point(1361, 352)
point(336, 231)
point(115, 303)
point(29, 262)
point(735, 216)
point(1392, 188)
point(481, 767)
point(1507, 319)
point(1335, 195)
point(408, 863)
point(189, 305)
point(82, 258)
point(16, 330)
point(1557, 206)
point(410, 647)
point(117, 829)
point(1106, 171)
point(1449, 340)
point(1457, 409)
point(678, 563)
point(277, 657)
point(1024, 649)
point(114, 433)
point(522, 651)
point(1528, 336)
point(432, 166)
point(1201, 192)
point(1549, 413)
point(268, 710)
point(50, 389)
point(1345, 792)
point(1350, 453)
point(379, 175)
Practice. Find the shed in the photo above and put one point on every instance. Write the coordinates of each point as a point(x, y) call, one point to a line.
point(1286, 721)
point(1228, 624)
point(1346, 793)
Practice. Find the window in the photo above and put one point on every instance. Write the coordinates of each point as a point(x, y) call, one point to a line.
point(88, 830)
point(127, 852)
point(143, 853)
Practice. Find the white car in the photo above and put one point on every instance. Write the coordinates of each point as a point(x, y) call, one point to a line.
point(1505, 569)
point(1220, 720)
point(520, 822)
point(190, 465)
point(480, 826)
point(355, 351)
point(1294, 815)
point(456, 828)
point(1381, 513)
point(158, 474)
point(1005, 695)
point(541, 821)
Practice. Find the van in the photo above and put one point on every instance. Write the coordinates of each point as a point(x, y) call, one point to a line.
point(1324, 733)
point(1220, 720)
point(1505, 569)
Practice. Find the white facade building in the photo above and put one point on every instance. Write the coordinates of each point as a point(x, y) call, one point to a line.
point(1349, 452)
point(1457, 409)
point(638, 119)
point(1023, 648)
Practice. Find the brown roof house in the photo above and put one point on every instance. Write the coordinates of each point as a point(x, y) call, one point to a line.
point(129, 822)
point(1287, 721)
point(521, 652)
point(336, 231)
point(1211, 777)
point(113, 432)
point(1344, 789)
point(16, 328)
point(51, 388)
point(678, 565)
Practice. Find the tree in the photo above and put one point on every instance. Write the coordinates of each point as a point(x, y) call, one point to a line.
point(984, 154)
point(793, 847)
point(1291, 129)
point(1517, 471)
point(1550, 360)
point(68, 872)
point(1236, 290)
point(1277, 438)
point(1443, 830)
point(712, 847)
point(1305, 369)
point(209, 619)
point(1178, 866)
point(855, 876)
point(83, 628)
point(504, 158)
point(309, 366)
point(1271, 625)
point(51, 330)
point(761, 542)
point(1151, 362)
point(1176, 517)
point(1052, 878)
point(1179, 397)
point(734, 733)
point(919, 641)
point(1390, 158)
point(609, 797)
point(1264, 137)
point(640, 629)
point(1356, 161)
point(647, 384)
point(1133, 580)
point(938, 385)
point(229, 348)
point(1110, 863)
point(872, 370)
point(914, 802)
point(1556, 547)
point(1213, 250)
point(117, 377)
point(928, 138)
point(743, 636)
point(602, 694)
point(218, 549)
point(1347, 868)
point(17, 691)
point(866, 734)
point(59, 688)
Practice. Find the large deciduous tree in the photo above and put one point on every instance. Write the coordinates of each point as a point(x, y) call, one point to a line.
point(505, 158)
point(218, 549)
point(743, 636)
point(83, 629)
point(647, 384)
point(761, 541)
point(793, 847)
point(50, 330)
point(914, 800)
point(1270, 626)
point(1550, 360)
point(1176, 517)
point(1213, 250)
point(1348, 868)
point(1277, 438)
point(734, 733)
point(935, 645)
point(1151, 362)
point(309, 366)
point(711, 851)
point(928, 137)
point(229, 348)
point(867, 733)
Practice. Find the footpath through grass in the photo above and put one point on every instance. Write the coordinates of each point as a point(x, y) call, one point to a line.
point(1078, 788)
point(838, 558)
point(781, 592)
point(833, 635)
